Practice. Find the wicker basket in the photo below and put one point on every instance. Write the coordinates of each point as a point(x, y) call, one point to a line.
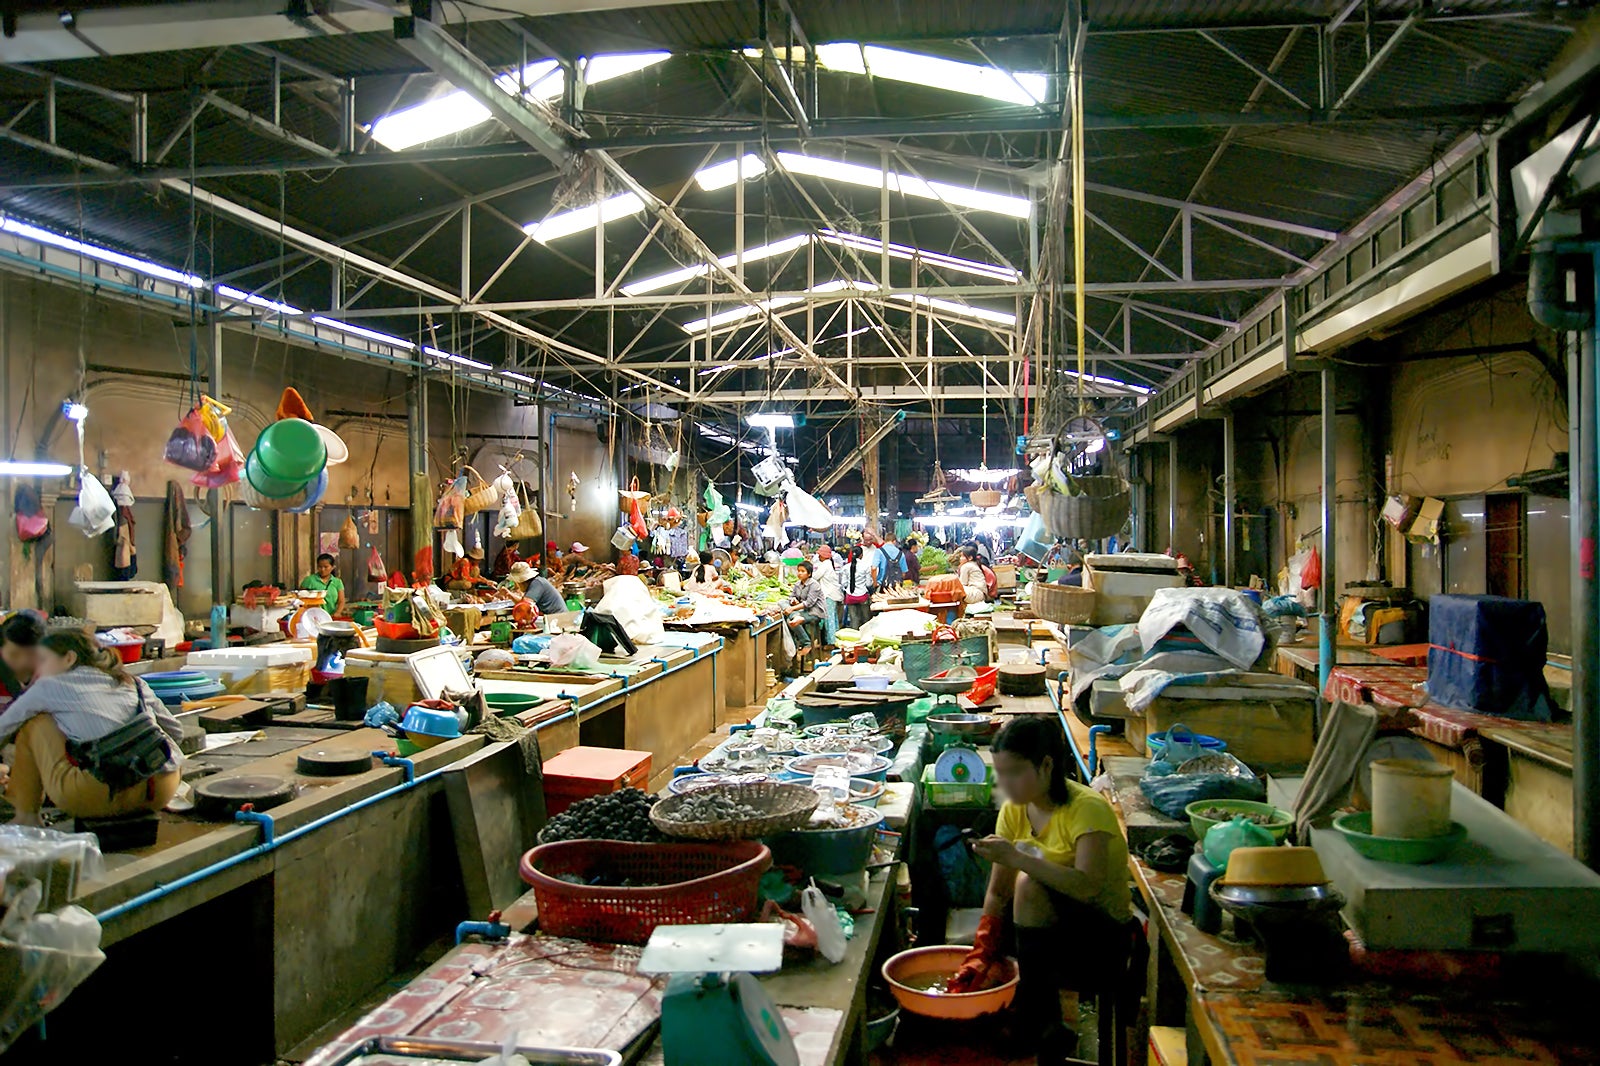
point(786, 807)
point(1098, 511)
point(481, 494)
point(1067, 605)
point(529, 525)
point(696, 884)
point(984, 497)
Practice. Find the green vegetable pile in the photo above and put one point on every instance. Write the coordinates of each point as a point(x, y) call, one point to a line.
point(934, 561)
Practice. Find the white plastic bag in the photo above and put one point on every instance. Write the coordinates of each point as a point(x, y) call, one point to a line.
point(95, 509)
point(46, 956)
point(806, 508)
point(510, 505)
point(1224, 620)
point(825, 920)
point(569, 649)
point(628, 600)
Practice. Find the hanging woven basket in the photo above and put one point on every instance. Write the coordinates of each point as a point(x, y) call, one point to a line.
point(631, 494)
point(1098, 509)
point(481, 494)
point(984, 498)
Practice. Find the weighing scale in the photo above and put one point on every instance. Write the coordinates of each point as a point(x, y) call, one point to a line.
point(713, 1009)
point(959, 766)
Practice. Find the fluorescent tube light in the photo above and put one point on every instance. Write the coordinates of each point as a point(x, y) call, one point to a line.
point(18, 468)
point(440, 353)
point(906, 184)
point(362, 331)
point(904, 252)
point(957, 309)
point(770, 420)
point(456, 112)
point(985, 476)
point(104, 255)
point(753, 508)
point(584, 218)
point(739, 314)
point(721, 175)
point(514, 376)
point(228, 292)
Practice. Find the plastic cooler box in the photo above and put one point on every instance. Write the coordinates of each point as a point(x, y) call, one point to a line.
point(263, 668)
point(579, 773)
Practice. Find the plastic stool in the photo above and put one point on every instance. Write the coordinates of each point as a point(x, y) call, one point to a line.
point(1197, 899)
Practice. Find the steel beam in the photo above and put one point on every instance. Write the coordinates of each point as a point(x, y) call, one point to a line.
point(1211, 38)
point(529, 120)
point(1378, 59)
point(266, 126)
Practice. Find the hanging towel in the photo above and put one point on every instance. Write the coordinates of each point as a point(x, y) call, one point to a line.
point(176, 546)
point(124, 552)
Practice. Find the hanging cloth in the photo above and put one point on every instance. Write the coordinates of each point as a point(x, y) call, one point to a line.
point(124, 552)
point(176, 545)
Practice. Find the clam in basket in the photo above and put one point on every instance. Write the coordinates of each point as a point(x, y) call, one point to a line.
point(782, 807)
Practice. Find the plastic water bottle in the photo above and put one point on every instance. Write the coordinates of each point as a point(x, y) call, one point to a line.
point(219, 625)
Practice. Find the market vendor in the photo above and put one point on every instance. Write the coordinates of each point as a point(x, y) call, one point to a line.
point(324, 580)
point(806, 606)
point(1059, 873)
point(971, 574)
point(525, 583)
point(703, 577)
point(90, 738)
point(576, 565)
point(19, 652)
point(827, 572)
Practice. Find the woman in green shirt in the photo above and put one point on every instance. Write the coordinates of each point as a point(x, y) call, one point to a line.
point(324, 581)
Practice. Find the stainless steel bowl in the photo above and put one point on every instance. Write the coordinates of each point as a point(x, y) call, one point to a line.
point(961, 725)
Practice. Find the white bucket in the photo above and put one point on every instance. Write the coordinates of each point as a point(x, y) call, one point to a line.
point(1410, 799)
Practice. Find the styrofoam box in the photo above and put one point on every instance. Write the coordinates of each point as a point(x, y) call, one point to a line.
point(257, 658)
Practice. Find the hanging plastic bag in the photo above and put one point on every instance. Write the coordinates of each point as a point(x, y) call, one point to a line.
point(1238, 832)
point(622, 539)
point(190, 446)
point(376, 571)
point(1311, 574)
point(510, 505)
point(451, 511)
point(95, 513)
point(32, 523)
point(806, 509)
point(349, 535)
point(227, 466)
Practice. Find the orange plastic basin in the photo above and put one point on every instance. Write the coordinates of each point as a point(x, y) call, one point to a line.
point(944, 960)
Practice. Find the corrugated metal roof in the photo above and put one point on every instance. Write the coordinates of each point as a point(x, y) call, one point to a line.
point(1326, 175)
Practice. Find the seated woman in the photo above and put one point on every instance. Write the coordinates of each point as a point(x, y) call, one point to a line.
point(82, 696)
point(971, 575)
point(1060, 865)
point(19, 653)
point(703, 577)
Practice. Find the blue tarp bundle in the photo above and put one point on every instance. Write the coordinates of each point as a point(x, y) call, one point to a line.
point(1487, 653)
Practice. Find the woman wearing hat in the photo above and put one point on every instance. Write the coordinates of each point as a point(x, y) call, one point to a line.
point(577, 562)
point(525, 583)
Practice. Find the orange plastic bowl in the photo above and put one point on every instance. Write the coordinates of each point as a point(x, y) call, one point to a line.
point(944, 960)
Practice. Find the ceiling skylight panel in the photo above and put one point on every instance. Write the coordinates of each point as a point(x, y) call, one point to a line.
point(688, 273)
point(906, 184)
point(579, 219)
point(456, 112)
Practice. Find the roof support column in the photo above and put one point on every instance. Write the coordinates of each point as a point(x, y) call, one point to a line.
point(1230, 503)
point(221, 560)
point(1584, 393)
point(1327, 608)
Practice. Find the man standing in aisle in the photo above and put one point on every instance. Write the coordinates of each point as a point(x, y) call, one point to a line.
point(827, 574)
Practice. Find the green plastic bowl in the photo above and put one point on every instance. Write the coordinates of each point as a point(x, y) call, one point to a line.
point(502, 704)
point(1279, 827)
point(269, 485)
point(1357, 829)
point(291, 449)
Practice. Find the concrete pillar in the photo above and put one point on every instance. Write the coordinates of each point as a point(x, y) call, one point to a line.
point(1582, 391)
point(869, 477)
point(221, 558)
point(1230, 501)
point(1326, 605)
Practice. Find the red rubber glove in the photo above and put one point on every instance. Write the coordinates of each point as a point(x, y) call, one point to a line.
point(984, 966)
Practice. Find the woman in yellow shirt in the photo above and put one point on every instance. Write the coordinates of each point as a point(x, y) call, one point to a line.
point(1059, 873)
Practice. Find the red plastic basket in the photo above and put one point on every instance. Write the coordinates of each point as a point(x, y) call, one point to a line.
point(704, 884)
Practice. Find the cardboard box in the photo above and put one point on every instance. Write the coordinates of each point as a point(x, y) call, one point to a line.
point(1399, 510)
point(1122, 595)
point(1430, 516)
point(1267, 721)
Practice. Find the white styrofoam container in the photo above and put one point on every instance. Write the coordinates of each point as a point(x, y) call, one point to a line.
point(257, 658)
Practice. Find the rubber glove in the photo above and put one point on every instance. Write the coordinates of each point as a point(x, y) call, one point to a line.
point(984, 967)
